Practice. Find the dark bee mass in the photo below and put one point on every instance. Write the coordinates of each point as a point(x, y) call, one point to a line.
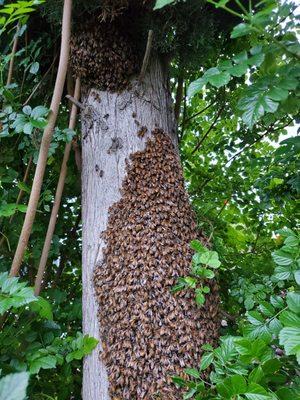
point(148, 333)
point(103, 56)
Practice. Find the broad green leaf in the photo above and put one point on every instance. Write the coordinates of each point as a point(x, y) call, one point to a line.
point(281, 257)
point(13, 386)
point(289, 337)
point(206, 360)
point(220, 79)
point(196, 86)
point(39, 111)
point(34, 68)
point(210, 258)
point(47, 362)
point(293, 302)
point(288, 318)
point(241, 29)
point(162, 3)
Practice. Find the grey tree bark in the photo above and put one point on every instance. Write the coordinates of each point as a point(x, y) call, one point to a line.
point(110, 126)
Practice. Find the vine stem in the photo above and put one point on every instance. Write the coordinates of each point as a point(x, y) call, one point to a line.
point(46, 140)
point(58, 196)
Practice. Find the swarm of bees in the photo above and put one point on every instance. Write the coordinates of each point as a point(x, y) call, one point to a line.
point(103, 56)
point(149, 333)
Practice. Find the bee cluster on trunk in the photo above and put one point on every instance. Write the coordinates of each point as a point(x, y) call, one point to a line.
point(149, 333)
point(103, 56)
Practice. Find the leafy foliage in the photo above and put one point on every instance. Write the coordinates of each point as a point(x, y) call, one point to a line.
point(268, 64)
point(254, 365)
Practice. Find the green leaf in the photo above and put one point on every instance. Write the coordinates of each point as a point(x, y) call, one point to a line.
point(241, 29)
point(220, 79)
point(281, 257)
point(206, 360)
point(34, 68)
point(13, 386)
point(39, 111)
point(277, 301)
point(162, 3)
point(210, 258)
point(293, 302)
point(197, 246)
point(256, 392)
point(297, 276)
point(289, 318)
point(278, 94)
point(28, 128)
point(255, 318)
point(43, 308)
point(267, 309)
point(238, 69)
point(192, 372)
point(26, 110)
point(199, 297)
point(47, 362)
point(255, 107)
point(290, 339)
point(196, 86)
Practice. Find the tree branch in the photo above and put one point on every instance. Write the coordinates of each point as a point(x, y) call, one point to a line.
point(58, 196)
point(208, 131)
point(46, 140)
point(146, 56)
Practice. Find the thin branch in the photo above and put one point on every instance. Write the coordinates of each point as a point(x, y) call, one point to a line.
point(40, 82)
point(146, 56)
point(197, 113)
point(179, 94)
point(75, 102)
point(57, 199)
point(208, 131)
point(12, 57)
point(270, 130)
point(46, 140)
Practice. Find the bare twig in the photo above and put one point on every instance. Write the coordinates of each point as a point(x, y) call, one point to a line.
point(146, 56)
point(40, 82)
point(46, 140)
point(197, 113)
point(12, 57)
point(208, 131)
point(57, 199)
point(74, 101)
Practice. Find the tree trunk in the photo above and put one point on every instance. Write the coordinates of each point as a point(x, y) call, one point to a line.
point(116, 126)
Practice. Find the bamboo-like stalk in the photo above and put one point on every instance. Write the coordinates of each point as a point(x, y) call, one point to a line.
point(46, 140)
point(12, 57)
point(57, 199)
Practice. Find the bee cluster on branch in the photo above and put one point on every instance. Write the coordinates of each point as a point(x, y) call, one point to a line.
point(149, 333)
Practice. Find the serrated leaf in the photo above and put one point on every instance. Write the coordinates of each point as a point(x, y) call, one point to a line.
point(293, 302)
point(241, 29)
point(206, 360)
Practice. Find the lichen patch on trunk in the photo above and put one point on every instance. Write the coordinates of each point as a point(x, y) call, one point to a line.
point(148, 333)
